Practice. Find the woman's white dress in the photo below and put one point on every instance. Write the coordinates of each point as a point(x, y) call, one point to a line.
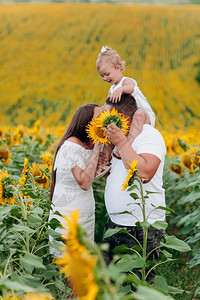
point(68, 196)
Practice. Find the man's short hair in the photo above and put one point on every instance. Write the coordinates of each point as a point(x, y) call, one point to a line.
point(127, 105)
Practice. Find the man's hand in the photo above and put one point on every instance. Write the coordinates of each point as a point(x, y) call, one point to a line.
point(115, 135)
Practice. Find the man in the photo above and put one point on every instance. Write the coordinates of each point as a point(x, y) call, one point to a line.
point(148, 149)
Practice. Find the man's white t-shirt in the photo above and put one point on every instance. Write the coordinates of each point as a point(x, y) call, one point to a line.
point(117, 201)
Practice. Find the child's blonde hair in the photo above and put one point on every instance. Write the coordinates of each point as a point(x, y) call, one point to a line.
point(109, 55)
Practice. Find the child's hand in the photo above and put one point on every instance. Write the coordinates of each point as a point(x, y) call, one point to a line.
point(116, 96)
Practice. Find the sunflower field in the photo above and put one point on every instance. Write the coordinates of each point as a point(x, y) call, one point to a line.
point(48, 58)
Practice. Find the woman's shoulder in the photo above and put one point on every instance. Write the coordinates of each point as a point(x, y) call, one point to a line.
point(75, 140)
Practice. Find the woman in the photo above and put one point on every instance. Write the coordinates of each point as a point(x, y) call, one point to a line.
point(74, 169)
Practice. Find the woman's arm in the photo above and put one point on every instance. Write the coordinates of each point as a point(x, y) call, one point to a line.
point(85, 177)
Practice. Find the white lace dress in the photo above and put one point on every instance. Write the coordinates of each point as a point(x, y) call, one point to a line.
point(68, 196)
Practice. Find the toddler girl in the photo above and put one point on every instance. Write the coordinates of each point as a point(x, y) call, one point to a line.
point(110, 66)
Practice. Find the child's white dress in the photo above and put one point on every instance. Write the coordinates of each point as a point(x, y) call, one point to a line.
point(68, 196)
point(139, 97)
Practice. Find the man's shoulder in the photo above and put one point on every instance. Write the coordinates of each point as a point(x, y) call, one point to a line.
point(149, 132)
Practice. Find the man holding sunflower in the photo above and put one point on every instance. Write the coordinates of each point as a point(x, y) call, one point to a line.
point(148, 152)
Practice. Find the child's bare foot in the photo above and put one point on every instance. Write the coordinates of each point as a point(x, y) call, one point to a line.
point(116, 154)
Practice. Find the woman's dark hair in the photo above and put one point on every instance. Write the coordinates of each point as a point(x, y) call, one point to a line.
point(83, 115)
point(127, 105)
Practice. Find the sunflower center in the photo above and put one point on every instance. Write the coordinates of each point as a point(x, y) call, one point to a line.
point(113, 119)
point(99, 132)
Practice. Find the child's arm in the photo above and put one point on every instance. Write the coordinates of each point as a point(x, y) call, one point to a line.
point(126, 88)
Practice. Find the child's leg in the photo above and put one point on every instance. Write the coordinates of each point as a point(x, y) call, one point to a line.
point(139, 119)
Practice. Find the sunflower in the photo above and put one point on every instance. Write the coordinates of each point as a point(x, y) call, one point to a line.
point(176, 168)
point(107, 117)
point(37, 296)
point(13, 297)
point(5, 156)
point(195, 152)
point(132, 172)
point(96, 132)
point(76, 262)
point(47, 159)
point(40, 174)
point(187, 161)
point(24, 172)
point(96, 127)
point(6, 192)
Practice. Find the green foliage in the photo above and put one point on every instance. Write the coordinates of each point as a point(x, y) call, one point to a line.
point(25, 261)
point(135, 261)
point(183, 195)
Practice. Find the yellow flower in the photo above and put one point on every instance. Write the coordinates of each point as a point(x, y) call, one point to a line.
point(176, 169)
point(96, 132)
point(39, 173)
point(186, 160)
point(36, 296)
point(24, 172)
point(6, 193)
point(195, 152)
point(13, 297)
point(107, 117)
point(131, 175)
point(77, 263)
point(5, 156)
point(95, 128)
point(47, 158)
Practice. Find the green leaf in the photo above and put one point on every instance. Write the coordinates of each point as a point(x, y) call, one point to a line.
point(33, 282)
point(13, 285)
point(150, 293)
point(195, 261)
point(197, 292)
point(4, 210)
point(32, 260)
point(161, 283)
point(134, 196)
point(133, 187)
point(53, 233)
point(37, 210)
point(19, 227)
point(123, 249)
point(173, 243)
point(112, 231)
point(176, 290)
point(34, 220)
point(128, 263)
point(60, 285)
point(165, 208)
point(144, 224)
point(160, 225)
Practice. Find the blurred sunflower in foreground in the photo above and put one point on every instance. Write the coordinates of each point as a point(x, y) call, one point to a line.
point(29, 296)
point(77, 264)
point(95, 128)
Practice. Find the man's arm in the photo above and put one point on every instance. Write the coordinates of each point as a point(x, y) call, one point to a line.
point(147, 164)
